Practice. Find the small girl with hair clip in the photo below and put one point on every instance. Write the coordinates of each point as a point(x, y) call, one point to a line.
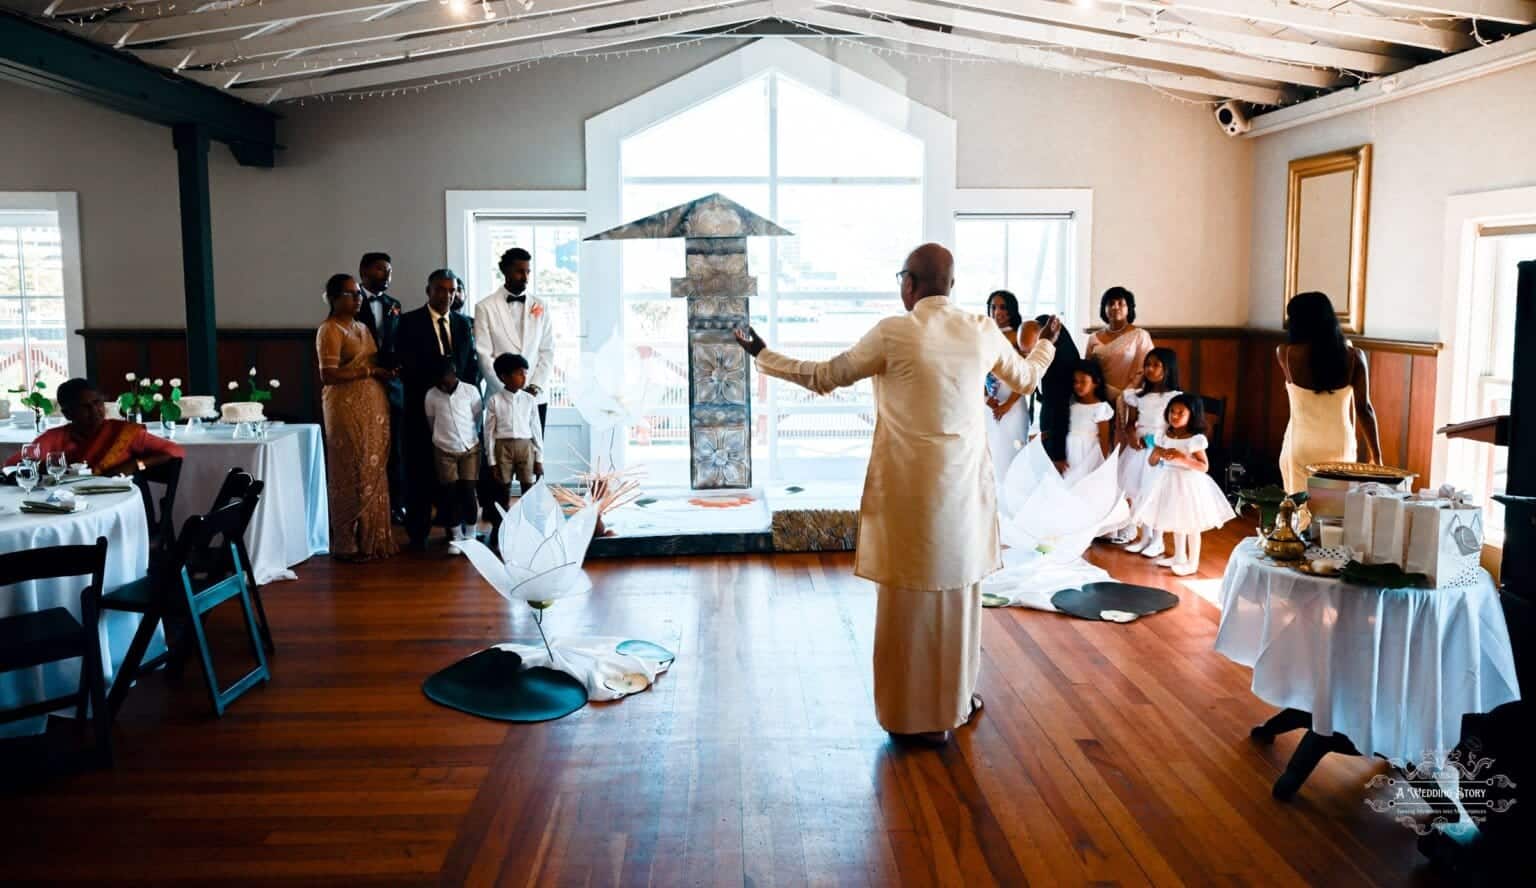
point(1180, 498)
point(1089, 424)
point(1144, 409)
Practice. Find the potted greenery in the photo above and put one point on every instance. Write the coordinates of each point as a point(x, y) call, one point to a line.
point(34, 399)
point(142, 401)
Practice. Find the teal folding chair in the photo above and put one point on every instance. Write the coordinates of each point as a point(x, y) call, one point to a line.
point(227, 525)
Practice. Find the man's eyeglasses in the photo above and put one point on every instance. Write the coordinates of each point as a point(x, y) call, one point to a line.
point(901, 274)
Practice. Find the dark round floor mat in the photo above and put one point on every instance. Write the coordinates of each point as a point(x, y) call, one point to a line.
point(493, 684)
point(1093, 599)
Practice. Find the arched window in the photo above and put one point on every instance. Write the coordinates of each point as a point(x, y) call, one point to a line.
point(848, 179)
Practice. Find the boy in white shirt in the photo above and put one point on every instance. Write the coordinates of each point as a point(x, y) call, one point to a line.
point(453, 410)
point(514, 444)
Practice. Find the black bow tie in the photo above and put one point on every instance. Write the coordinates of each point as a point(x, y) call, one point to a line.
point(520, 297)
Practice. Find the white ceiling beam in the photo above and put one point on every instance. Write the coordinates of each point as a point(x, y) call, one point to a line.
point(1306, 18)
point(1110, 44)
point(121, 32)
point(1163, 29)
point(434, 20)
point(66, 8)
point(1514, 12)
point(1045, 59)
point(451, 64)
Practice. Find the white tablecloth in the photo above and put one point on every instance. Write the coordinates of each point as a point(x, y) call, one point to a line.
point(291, 524)
point(117, 516)
point(1392, 669)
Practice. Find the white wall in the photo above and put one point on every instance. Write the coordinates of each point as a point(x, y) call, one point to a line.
point(1475, 136)
point(1171, 193)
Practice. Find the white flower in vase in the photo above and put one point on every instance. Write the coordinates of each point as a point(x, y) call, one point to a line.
point(175, 383)
point(159, 397)
point(159, 382)
point(145, 383)
point(131, 377)
point(253, 371)
point(274, 383)
point(233, 385)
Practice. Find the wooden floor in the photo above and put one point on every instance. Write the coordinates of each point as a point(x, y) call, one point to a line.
point(1107, 753)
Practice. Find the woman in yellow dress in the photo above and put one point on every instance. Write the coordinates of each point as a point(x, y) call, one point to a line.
point(356, 412)
point(1328, 385)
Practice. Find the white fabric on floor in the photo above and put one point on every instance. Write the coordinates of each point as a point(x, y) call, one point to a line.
point(117, 516)
point(291, 523)
point(595, 662)
point(927, 657)
point(1392, 669)
point(1047, 524)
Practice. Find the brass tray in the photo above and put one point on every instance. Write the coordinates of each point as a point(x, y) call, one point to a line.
point(1355, 471)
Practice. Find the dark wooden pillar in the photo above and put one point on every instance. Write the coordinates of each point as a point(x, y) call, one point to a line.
point(197, 257)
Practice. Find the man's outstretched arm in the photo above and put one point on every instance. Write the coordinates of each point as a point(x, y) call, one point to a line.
point(865, 359)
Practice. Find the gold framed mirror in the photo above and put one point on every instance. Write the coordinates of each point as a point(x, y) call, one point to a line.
point(1328, 214)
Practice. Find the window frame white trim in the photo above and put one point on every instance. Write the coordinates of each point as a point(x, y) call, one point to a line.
point(1078, 202)
point(67, 205)
point(1465, 214)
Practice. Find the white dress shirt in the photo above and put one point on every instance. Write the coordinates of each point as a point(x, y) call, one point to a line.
point(453, 418)
point(376, 307)
point(447, 324)
point(519, 328)
point(512, 415)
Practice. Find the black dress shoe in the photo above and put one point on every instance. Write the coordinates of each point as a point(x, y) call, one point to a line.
point(397, 515)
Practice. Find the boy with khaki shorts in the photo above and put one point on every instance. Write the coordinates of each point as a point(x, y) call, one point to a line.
point(513, 440)
point(453, 410)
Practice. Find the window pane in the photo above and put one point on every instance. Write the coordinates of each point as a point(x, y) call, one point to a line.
point(723, 136)
point(820, 136)
point(10, 262)
point(1025, 255)
point(43, 260)
point(835, 247)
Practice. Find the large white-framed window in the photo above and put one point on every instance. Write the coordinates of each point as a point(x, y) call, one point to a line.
point(857, 171)
point(550, 225)
point(40, 290)
point(1487, 236)
point(1034, 242)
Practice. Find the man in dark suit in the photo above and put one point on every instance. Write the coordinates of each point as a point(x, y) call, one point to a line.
point(425, 336)
point(380, 313)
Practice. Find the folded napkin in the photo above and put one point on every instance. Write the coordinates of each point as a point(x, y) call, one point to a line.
point(56, 502)
point(100, 486)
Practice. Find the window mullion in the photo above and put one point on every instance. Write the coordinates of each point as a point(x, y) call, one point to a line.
point(773, 270)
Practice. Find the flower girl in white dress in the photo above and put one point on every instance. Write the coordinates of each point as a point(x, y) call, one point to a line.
point(1088, 428)
point(1144, 421)
point(1180, 498)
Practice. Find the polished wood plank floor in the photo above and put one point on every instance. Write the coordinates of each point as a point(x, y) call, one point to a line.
point(1106, 754)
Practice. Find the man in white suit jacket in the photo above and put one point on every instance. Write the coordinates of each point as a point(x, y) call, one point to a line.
point(928, 518)
point(510, 321)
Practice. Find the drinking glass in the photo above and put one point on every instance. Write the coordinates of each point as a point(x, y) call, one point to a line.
point(26, 476)
point(31, 453)
point(57, 464)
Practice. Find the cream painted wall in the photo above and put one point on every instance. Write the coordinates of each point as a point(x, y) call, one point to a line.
point(1172, 205)
point(1475, 136)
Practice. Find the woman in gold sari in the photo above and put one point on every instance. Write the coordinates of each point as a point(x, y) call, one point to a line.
point(356, 428)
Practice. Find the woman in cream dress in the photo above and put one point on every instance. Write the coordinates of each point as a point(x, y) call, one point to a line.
point(1328, 385)
point(1007, 411)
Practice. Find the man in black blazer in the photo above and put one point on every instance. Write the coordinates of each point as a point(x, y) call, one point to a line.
point(424, 337)
point(380, 313)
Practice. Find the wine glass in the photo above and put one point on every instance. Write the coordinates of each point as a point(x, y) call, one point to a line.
point(31, 453)
point(26, 476)
point(57, 464)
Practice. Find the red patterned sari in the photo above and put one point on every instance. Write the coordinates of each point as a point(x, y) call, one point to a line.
point(113, 448)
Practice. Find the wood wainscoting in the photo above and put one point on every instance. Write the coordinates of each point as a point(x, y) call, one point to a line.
point(1239, 366)
point(1234, 364)
point(287, 355)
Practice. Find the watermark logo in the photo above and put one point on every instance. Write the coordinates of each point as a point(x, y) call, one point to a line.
point(1424, 795)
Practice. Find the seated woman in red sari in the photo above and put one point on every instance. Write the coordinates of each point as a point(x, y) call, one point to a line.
point(108, 446)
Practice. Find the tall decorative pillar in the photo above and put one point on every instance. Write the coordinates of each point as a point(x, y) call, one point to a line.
point(719, 292)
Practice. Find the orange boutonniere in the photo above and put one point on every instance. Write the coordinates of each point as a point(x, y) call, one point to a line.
point(537, 310)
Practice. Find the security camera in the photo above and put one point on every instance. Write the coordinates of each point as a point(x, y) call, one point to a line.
point(1231, 118)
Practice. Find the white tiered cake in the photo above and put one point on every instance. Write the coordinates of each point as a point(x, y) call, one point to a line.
point(241, 411)
point(197, 407)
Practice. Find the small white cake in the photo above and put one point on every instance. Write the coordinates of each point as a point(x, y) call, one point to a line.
point(241, 411)
point(197, 407)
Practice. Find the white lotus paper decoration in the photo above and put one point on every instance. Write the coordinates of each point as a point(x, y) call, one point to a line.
point(542, 550)
point(607, 394)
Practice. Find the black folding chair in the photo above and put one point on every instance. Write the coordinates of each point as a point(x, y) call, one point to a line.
point(46, 636)
point(161, 515)
point(1219, 455)
point(206, 568)
point(236, 482)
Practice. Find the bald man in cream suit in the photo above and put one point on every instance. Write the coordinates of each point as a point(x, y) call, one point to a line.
point(928, 518)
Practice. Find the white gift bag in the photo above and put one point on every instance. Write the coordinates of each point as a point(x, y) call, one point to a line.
point(1389, 529)
point(1445, 539)
point(1357, 515)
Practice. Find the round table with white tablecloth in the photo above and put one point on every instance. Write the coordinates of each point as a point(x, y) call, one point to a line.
point(117, 516)
point(1391, 670)
point(292, 521)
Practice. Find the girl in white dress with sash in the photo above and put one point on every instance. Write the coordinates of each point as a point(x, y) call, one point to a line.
point(1180, 497)
point(1144, 421)
point(1088, 429)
